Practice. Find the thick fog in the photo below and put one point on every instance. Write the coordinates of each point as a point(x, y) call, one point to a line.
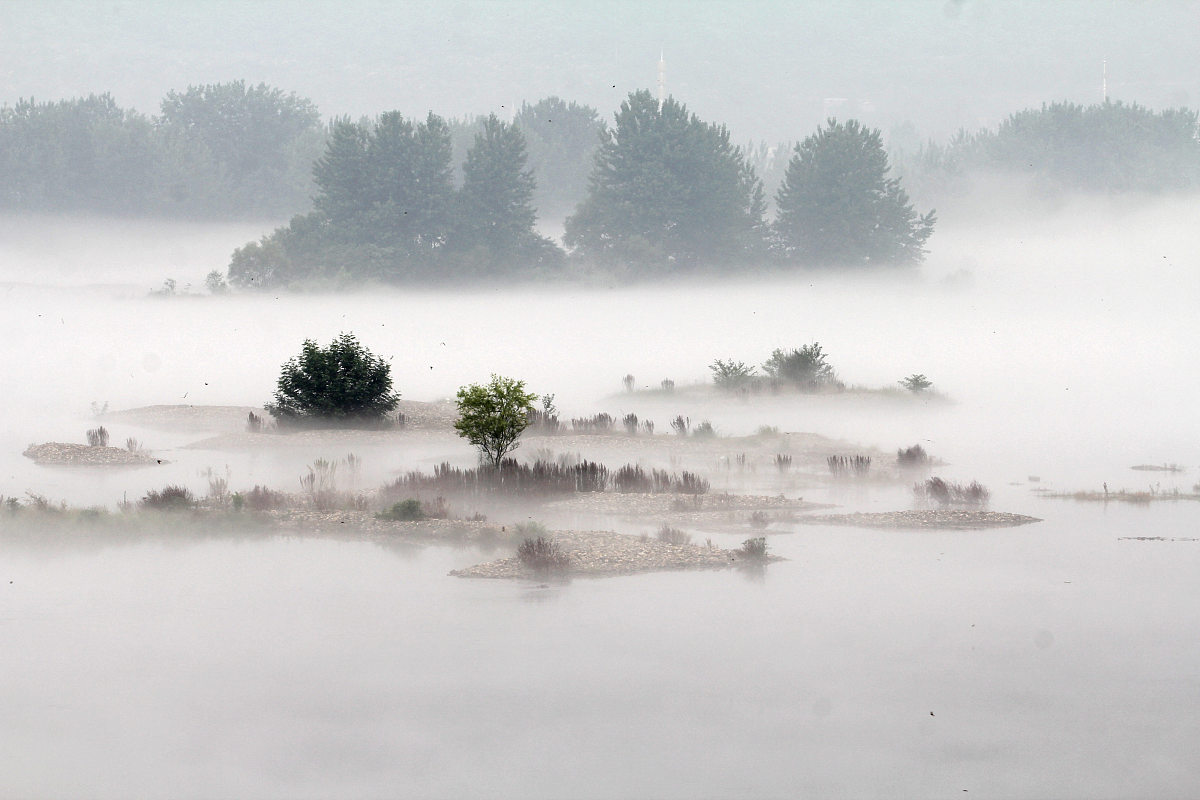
point(1054, 659)
point(770, 71)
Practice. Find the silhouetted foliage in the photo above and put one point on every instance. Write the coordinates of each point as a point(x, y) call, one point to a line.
point(170, 498)
point(838, 206)
point(806, 367)
point(945, 493)
point(543, 555)
point(343, 384)
point(667, 190)
point(914, 456)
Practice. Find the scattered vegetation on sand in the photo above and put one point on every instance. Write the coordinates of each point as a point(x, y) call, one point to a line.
point(493, 416)
point(1152, 494)
point(343, 384)
point(543, 555)
point(945, 493)
point(544, 478)
point(598, 423)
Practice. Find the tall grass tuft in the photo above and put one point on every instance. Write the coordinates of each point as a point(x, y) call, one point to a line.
point(912, 457)
point(945, 493)
point(845, 466)
point(97, 437)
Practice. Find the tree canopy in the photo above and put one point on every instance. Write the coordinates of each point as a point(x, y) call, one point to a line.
point(493, 416)
point(342, 384)
point(838, 206)
point(667, 189)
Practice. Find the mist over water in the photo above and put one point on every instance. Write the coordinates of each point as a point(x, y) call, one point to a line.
point(1054, 659)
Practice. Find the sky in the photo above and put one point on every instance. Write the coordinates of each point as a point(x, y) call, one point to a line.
point(770, 71)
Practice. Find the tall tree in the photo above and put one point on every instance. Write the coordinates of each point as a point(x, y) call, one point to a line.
point(837, 204)
point(667, 189)
point(496, 212)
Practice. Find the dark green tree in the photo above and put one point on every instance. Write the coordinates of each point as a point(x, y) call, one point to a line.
point(495, 215)
point(667, 189)
point(837, 204)
point(340, 385)
point(493, 416)
point(562, 139)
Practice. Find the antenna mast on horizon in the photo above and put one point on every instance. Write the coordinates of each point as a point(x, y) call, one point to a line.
point(662, 78)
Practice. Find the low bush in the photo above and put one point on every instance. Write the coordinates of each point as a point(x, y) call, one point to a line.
point(98, 437)
point(260, 498)
point(915, 383)
point(668, 385)
point(914, 456)
point(754, 549)
point(628, 382)
point(731, 375)
point(759, 520)
point(254, 423)
point(543, 555)
point(681, 425)
point(405, 511)
point(806, 368)
point(170, 498)
point(783, 462)
point(630, 422)
point(705, 430)
point(668, 535)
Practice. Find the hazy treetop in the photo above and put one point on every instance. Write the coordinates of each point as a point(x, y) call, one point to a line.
point(769, 70)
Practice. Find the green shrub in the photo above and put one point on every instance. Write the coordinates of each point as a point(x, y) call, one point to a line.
point(343, 384)
point(405, 511)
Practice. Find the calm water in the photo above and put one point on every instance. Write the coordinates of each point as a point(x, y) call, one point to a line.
point(1052, 660)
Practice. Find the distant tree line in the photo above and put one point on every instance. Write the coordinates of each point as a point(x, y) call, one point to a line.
point(226, 150)
point(1106, 147)
point(657, 191)
point(666, 193)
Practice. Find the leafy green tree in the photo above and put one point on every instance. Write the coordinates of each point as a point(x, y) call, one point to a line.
point(667, 189)
point(343, 384)
point(562, 139)
point(493, 416)
point(837, 204)
point(805, 367)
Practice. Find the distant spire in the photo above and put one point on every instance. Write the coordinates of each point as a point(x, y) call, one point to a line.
point(662, 78)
